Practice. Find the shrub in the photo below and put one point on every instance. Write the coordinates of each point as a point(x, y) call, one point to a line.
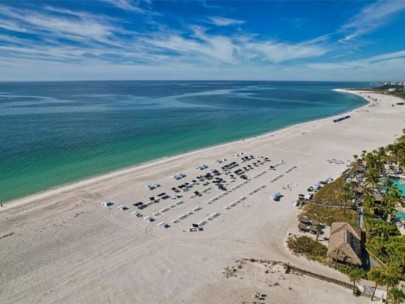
point(308, 247)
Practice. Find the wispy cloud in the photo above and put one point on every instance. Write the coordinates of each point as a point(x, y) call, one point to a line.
point(221, 21)
point(232, 50)
point(365, 63)
point(89, 41)
point(278, 52)
point(98, 37)
point(80, 27)
point(371, 17)
point(126, 5)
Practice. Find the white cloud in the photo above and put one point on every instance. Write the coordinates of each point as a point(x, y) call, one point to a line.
point(371, 17)
point(76, 26)
point(11, 26)
point(366, 63)
point(221, 21)
point(126, 5)
point(23, 69)
point(100, 47)
point(277, 52)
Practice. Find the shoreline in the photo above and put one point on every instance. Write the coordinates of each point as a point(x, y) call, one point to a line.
point(70, 244)
point(128, 170)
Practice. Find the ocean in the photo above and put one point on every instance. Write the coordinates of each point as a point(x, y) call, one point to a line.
point(53, 133)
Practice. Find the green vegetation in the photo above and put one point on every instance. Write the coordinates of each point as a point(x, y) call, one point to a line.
point(328, 215)
point(330, 193)
point(355, 275)
point(384, 90)
point(312, 250)
point(338, 195)
point(377, 277)
point(346, 268)
point(380, 200)
point(306, 246)
point(396, 295)
point(368, 184)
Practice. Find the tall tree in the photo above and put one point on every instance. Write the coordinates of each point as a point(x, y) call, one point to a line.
point(375, 276)
point(396, 295)
point(345, 195)
point(355, 276)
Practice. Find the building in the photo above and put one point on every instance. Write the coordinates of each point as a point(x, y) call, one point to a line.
point(345, 244)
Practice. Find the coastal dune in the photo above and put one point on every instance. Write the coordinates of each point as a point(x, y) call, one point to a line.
point(63, 245)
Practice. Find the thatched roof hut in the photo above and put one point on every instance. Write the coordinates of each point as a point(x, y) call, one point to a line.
point(358, 190)
point(378, 197)
point(345, 244)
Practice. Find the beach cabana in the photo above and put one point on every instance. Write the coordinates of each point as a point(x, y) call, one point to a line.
point(136, 213)
point(148, 218)
point(315, 223)
point(302, 227)
point(304, 220)
point(163, 225)
point(107, 203)
point(317, 186)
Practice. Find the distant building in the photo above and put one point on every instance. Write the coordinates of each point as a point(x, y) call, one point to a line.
point(392, 90)
point(345, 244)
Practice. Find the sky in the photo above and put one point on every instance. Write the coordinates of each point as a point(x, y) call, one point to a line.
point(201, 39)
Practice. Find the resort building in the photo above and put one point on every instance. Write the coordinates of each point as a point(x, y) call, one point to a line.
point(345, 244)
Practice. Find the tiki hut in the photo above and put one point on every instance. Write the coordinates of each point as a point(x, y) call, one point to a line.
point(358, 191)
point(345, 244)
point(378, 198)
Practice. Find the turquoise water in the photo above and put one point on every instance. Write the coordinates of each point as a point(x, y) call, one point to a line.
point(53, 133)
point(400, 186)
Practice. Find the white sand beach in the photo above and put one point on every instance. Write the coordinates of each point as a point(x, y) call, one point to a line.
point(64, 246)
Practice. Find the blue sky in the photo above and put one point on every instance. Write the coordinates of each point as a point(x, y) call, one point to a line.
point(202, 39)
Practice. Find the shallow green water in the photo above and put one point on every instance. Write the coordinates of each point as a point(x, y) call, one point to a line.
point(53, 133)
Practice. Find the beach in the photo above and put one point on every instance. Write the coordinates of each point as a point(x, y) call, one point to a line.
point(63, 245)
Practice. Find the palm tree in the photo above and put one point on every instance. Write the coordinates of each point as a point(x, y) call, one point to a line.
point(363, 154)
point(355, 275)
point(372, 177)
point(395, 149)
point(390, 274)
point(392, 198)
point(368, 198)
point(345, 195)
point(396, 295)
point(375, 276)
point(318, 231)
point(381, 155)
